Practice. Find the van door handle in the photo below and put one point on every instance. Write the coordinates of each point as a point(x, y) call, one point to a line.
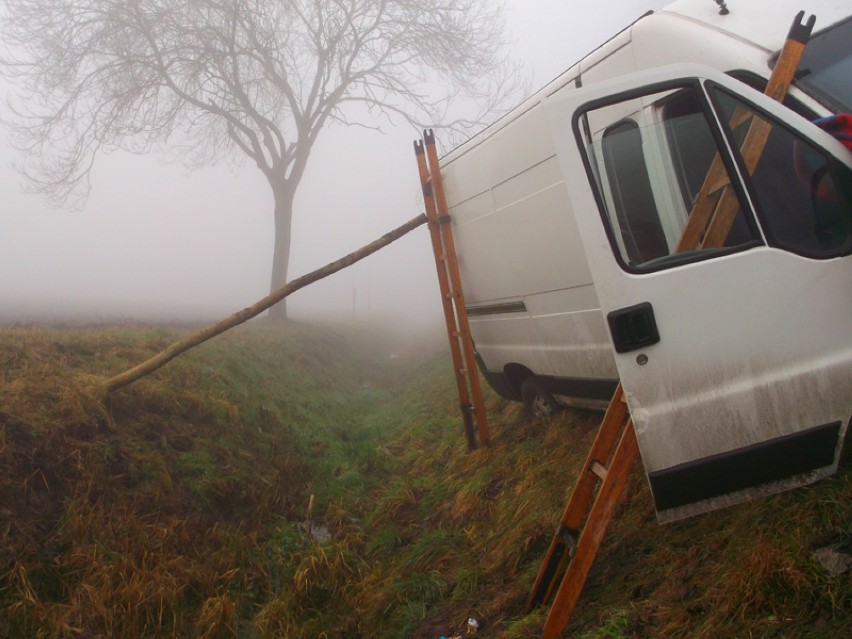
point(633, 327)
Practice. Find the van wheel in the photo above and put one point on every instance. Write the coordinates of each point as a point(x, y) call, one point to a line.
point(538, 401)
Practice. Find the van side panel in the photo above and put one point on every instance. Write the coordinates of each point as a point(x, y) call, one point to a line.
point(527, 282)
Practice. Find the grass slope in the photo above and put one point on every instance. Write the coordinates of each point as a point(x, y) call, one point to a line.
point(176, 509)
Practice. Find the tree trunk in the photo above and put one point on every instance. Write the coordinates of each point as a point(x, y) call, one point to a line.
point(283, 195)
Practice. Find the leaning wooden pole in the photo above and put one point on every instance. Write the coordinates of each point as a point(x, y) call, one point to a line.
point(181, 346)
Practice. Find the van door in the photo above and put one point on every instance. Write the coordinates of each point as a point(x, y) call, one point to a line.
point(734, 350)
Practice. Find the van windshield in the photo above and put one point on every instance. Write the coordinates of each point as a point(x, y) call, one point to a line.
point(826, 67)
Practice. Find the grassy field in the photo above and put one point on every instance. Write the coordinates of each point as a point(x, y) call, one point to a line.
point(177, 507)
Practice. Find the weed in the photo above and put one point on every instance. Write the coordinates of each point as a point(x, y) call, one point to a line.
point(467, 580)
point(615, 626)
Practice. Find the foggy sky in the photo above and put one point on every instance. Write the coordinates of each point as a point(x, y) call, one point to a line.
point(157, 242)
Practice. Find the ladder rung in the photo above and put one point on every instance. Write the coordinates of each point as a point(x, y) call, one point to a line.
point(598, 469)
point(718, 186)
point(462, 371)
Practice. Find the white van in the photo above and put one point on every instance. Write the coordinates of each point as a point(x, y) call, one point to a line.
point(736, 361)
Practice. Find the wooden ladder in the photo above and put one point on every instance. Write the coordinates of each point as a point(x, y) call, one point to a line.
point(586, 516)
point(452, 295)
point(578, 536)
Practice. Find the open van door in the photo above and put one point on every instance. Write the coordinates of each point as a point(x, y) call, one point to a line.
point(736, 355)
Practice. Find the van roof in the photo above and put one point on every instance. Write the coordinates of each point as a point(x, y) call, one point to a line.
point(762, 23)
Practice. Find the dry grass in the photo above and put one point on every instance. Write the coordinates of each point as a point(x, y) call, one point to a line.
point(136, 518)
point(173, 510)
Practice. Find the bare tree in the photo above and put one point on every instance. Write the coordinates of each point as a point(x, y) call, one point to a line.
point(207, 78)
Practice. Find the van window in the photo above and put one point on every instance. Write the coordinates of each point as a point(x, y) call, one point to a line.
point(690, 143)
point(641, 231)
point(650, 169)
point(693, 150)
point(801, 194)
point(758, 83)
point(826, 66)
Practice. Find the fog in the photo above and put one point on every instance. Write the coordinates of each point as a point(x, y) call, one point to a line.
point(156, 242)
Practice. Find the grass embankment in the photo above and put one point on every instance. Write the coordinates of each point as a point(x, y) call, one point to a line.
point(176, 508)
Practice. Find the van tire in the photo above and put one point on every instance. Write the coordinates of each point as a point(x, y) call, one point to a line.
point(538, 401)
